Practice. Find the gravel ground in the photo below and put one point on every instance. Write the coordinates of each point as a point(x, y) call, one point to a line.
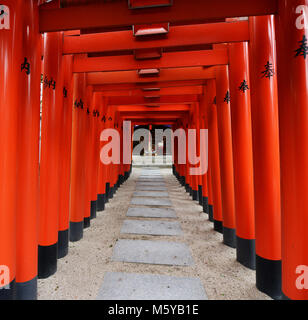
point(80, 274)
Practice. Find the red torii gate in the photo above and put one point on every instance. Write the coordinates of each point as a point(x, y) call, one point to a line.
point(223, 106)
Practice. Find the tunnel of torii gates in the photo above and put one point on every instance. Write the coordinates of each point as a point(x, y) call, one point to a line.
point(237, 68)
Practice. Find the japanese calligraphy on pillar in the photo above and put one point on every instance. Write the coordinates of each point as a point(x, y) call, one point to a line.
point(269, 70)
point(25, 66)
point(303, 48)
point(244, 86)
point(227, 98)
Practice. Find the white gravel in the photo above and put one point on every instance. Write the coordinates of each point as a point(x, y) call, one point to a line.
point(80, 274)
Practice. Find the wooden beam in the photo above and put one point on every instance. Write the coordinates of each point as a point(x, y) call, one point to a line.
point(139, 86)
point(177, 74)
point(169, 60)
point(178, 36)
point(162, 92)
point(117, 13)
point(179, 99)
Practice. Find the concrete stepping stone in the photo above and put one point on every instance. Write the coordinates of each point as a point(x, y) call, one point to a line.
point(152, 227)
point(154, 194)
point(151, 188)
point(150, 180)
point(152, 252)
point(143, 201)
point(131, 286)
point(151, 173)
point(150, 177)
point(151, 213)
point(151, 183)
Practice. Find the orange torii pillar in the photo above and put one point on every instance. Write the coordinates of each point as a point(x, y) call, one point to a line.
point(106, 168)
point(78, 188)
point(201, 147)
point(292, 60)
point(28, 152)
point(94, 158)
point(265, 129)
point(100, 103)
point(225, 155)
point(88, 153)
point(204, 126)
point(210, 190)
point(65, 163)
point(187, 165)
point(51, 155)
point(193, 151)
point(110, 190)
point(242, 153)
point(216, 215)
point(174, 155)
point(19, 86)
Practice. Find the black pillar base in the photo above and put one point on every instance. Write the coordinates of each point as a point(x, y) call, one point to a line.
point(121, 179)
point(205, 204)
point(246, 252)
point(229, 237)
point(63, 241)
point(218, 226)
point(86, 222)
point(190, 191)
point(187, 187)
point(8, 292)
point(93, 210)
point(200, 195)
point(26, 290)
point(47, 260)
point(100, 203)
point(268, 277)
point(76, 231)
point(195, 195)
point(111, 192)
point(107, 192)
point(211, 213)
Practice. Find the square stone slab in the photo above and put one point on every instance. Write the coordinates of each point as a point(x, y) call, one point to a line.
point(131, 286)
point(143, 201)
point(151, 212)
point(150, 180)
point(150, 177)
point(150, 188)
point(152, 252)
point(152, 172)
point(152, 227)
point(151, 183)
point(153, 194)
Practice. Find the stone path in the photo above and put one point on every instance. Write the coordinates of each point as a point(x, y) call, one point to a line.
point(149, 206)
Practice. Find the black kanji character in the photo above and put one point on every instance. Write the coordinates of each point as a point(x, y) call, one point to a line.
point(104, 118)
point(227, 98)
point(88, 111)
point(269, 70)
point(244, 86)
point(45, 82)
point(26, 66)
point(64, 92)
point(215, 102)
point(109, 118)
point(303, 48)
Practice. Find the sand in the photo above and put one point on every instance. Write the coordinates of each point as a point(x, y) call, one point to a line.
point(80, 274)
